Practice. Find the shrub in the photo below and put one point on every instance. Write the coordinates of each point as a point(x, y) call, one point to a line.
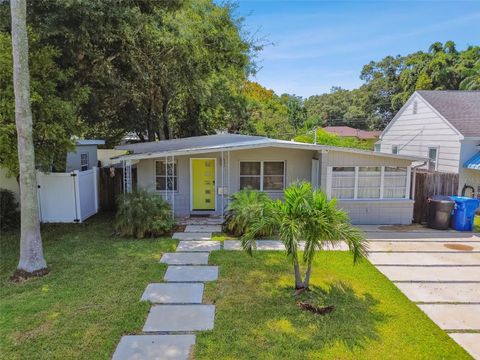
point(9, 214)
point(142, 214)
point(244, 207)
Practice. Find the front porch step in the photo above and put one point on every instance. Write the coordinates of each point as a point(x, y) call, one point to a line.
point(203, 228)
point(192, 236)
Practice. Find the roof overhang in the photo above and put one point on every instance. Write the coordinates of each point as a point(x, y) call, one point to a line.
point(90, 142)
point(263, 143)
point(473, 163)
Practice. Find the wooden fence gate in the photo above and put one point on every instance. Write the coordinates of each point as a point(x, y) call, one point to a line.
point(111, 185)
point(428, 184)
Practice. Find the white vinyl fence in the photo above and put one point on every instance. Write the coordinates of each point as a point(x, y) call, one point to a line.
point(67, 197)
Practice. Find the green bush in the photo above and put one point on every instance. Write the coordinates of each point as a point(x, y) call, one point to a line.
point(143, 214)
point(244, 207)
point(9, 214)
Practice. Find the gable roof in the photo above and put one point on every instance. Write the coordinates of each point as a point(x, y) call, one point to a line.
point(227, 142)
point(459, 108)
point(349, 131)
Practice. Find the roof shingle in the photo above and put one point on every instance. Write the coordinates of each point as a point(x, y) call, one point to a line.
point(460, 108)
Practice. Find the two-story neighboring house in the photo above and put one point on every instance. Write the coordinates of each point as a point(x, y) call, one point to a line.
point(443, 126)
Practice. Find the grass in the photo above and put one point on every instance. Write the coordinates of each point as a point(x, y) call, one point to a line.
point(257, 318)
point(89, 299)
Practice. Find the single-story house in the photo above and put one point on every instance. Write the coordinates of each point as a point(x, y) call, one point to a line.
point(197, 174)
point(443, 125)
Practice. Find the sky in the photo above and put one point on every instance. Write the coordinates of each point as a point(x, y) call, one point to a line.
point(314, 45)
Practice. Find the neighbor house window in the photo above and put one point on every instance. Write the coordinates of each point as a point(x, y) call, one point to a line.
point(394, 149)
point(343, 182)
point(262, 175)
point(415, 107)
point(433, 158)
point(369, 182)
point(377, 147)
point(166, 175)
point(84, 161)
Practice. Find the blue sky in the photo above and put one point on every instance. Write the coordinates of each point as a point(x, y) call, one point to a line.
point(320, 44)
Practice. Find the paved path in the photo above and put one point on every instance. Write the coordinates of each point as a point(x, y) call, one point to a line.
point(177, 311)
point(440, 272)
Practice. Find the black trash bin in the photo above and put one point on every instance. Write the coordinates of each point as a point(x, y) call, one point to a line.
point(439, 211)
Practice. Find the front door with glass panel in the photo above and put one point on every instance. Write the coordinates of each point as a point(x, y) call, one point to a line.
point(203, 184)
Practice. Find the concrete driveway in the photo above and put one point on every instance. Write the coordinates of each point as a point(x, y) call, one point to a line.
point(439, 271)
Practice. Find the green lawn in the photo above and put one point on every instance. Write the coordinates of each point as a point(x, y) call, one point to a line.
point(87, 302)
point(256, 316)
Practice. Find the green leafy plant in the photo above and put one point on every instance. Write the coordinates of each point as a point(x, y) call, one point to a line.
point(9, 214)
point(244, 207)
point(142, 214)
point(306, 218)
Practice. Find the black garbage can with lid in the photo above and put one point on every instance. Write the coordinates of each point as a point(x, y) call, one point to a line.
point(439, 211)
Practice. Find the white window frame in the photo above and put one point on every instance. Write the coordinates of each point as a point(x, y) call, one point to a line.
point(82, 165)
point(396, 147)
point(262, 173)
point(382, 183)
point(437, 152)
point(155, 176)
point(377, 147)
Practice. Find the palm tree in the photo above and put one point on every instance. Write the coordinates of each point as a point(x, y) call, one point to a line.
point(305, 217)
point(31, 251)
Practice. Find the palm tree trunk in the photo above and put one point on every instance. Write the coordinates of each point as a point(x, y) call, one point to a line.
point(31, 250)
point(298, 276)
point(307, 276)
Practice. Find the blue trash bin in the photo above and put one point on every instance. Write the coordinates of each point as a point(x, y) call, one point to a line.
point(464, 213)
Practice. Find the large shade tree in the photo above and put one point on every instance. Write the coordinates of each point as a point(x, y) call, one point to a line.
point(31, 251)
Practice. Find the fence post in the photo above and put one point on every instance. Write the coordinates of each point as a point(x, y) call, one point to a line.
point(78, 208)
point(95, 187)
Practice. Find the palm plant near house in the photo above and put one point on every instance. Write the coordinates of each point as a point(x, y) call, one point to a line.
point(305, 217)
point(244, 207)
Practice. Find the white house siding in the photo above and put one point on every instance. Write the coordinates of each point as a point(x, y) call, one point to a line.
point(362, 211)
point(415, 133)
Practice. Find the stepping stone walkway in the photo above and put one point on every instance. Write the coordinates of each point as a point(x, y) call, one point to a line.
point(178, 310)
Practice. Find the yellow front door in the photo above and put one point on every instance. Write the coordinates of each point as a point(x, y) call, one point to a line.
point(203, 184)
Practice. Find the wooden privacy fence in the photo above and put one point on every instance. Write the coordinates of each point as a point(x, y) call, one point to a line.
point(428, 184)
point(111, 185)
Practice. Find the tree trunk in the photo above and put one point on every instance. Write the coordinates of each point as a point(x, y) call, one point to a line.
point(298, 276)
point(31, 251)
point(307, 276)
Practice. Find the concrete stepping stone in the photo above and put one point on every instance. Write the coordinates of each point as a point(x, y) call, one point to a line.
point(441, 292)
point(202, 246)
point(424, 258)
point(469, 341)
point(180, 318)
point(174, 293)
point(270, 245)
point(431, 273)
point(423, 246)
point(232, 245)
point(185, 258)
point(154, 347)
point(453, 316)
point(274, 245)
point(203, 228)
point(191, 273)
point(192, 236)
